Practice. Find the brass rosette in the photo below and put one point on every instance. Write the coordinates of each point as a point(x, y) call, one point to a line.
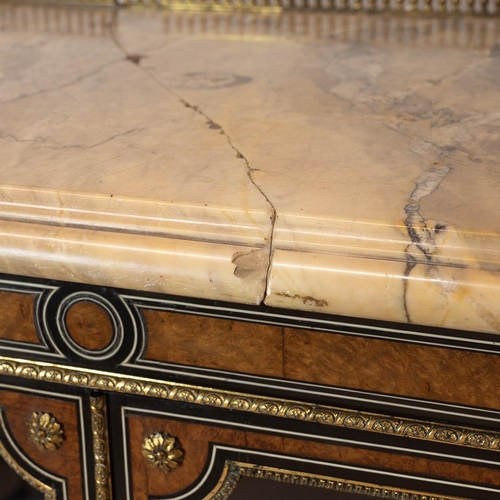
point(45, 432)
point(162, 451)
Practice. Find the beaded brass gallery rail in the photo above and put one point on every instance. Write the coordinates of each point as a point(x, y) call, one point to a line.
point(441, 6)
point(422, 31)
point(484, 7)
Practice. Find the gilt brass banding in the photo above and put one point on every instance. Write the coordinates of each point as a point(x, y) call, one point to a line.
point(251, 403)
point(48, 492)
point(276, 6)
point(100, 442)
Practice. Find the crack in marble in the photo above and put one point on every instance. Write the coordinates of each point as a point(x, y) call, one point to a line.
point(43, 140)
point(17, 139)
point(411, 262)
point(100, 143)
point(64, 85)
point(247, 258)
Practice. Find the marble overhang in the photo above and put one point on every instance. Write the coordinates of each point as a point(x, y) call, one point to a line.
point(343, 164)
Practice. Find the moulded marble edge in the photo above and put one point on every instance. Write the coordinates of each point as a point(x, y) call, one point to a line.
point(312, 268)
point(175, 266)
point(142, 216)
point(363, 272)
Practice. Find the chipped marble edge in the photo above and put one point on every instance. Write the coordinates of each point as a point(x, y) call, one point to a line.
point(319, 265)
point(196, 269)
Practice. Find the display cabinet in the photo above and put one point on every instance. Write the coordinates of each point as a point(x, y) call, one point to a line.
point(251, 252)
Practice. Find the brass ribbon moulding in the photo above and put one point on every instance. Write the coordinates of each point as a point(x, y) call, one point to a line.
point(251, 403)
point(162, 451)
point(436, 7)
point(49, 493)
point(45, 431)
point(100, 442)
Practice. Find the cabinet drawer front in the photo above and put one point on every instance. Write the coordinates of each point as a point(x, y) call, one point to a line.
point(216, 458)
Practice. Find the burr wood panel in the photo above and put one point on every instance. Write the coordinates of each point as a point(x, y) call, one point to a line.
point(65, 461)
point(195, 440)
point(17, 317)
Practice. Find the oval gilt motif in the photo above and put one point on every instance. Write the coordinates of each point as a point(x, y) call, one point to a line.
point(158, 391)
point(269, 408)
point(105, 383)
point(479, 440)
point(296, 412)
point(6, 368)
point(29, 372)
point(385, 426)
point(185, 395)
point(213, 400)
point(239, 404)
point(53, 375)
point(79, 379)
point(447, 435)
point(355, 421)
point(132, 387)
point(416, 431)
point(325, 417)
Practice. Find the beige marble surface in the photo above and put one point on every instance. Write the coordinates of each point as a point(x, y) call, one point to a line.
point(344, 164)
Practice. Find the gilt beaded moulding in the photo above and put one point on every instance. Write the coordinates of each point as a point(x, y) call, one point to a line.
point(442, 7)
point(252, 403)
point(102, 467)
point(418, 6)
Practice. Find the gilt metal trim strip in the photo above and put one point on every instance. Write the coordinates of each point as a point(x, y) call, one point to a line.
point(233, 471)
point(251, 403)
point(48, 492)
point(100, 445)
point(62, 3)
point(443, 7)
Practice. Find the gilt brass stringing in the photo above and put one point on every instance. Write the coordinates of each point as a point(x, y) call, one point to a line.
point(48, 492)
point(232, 400)
point(100, 445)
point(227, 482)
point(445, 7)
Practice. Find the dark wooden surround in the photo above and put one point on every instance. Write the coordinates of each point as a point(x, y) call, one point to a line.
point(159, 397)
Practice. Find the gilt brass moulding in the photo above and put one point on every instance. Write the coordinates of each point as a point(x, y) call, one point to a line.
point(441, 7)
point(100, 441)
point(252, 403)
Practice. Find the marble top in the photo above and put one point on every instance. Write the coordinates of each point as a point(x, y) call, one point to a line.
point(336, 163)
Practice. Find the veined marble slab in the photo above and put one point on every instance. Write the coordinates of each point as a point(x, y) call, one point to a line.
point(343, 164)
point(106, 177)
